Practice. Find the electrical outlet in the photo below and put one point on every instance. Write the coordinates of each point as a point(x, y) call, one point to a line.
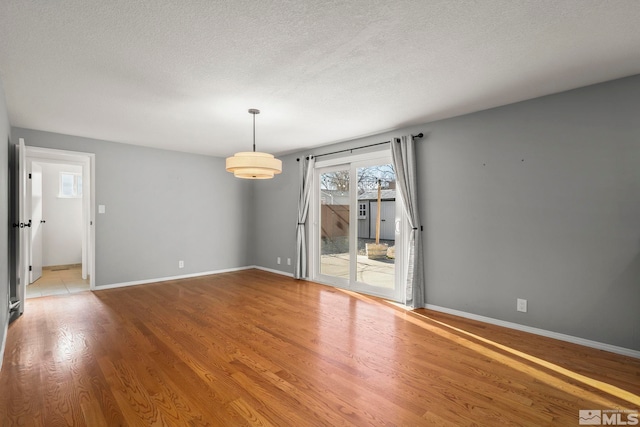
point(180, 264)
point(521, 305)
point(279, 260)
point(288, 261)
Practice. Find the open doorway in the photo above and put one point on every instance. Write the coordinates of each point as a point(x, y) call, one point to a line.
point(79, 177)
point(56, 230)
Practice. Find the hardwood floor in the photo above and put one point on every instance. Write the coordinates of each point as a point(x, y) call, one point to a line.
point(255, 348)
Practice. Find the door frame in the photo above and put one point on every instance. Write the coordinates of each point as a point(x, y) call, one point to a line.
point(353, 162)
point(36, 230)
point(49, 155)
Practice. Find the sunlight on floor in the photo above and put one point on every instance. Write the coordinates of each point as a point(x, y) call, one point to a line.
point(443, 329)
point(534, 372)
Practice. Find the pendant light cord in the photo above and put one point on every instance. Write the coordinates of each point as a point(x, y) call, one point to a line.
point(253, 112)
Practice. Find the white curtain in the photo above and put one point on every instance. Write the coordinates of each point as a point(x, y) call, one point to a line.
point(306, 173)
point(404, 161)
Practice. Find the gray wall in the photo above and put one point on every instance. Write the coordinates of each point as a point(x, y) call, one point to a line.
point(275, 216)
point(537, 200)
point(161, 207)
point(4, 216)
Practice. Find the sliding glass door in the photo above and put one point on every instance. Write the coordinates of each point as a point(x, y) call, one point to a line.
point(357, 242)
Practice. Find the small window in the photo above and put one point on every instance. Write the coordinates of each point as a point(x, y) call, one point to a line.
point(362, 210)
point(70, 185)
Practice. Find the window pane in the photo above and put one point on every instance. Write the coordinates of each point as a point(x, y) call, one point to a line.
point(334, 217)
point(376, 237)
point(66, 187)
point(70, 184)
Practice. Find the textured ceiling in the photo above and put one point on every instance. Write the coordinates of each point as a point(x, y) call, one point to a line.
point(181, 75)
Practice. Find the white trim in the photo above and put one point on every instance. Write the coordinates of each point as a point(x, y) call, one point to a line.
point(188, 276)
point(271, 270)
point(164, 279)
point(62, 156)
point(543, 332)
point(4, 338)
point(346, 158)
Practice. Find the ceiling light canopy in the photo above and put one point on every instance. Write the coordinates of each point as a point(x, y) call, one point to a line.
point(253, 164)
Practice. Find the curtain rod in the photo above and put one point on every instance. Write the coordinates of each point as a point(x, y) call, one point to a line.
point(420, 135)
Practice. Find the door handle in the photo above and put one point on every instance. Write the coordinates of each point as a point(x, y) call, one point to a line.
point(22, 224)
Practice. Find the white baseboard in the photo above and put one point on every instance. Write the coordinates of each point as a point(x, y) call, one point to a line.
point(4, 340)
point(188, 276)
point(550, 334)
point(164, 279)
point(270, 270)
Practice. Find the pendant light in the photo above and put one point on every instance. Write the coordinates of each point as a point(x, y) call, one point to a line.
point(253, 164)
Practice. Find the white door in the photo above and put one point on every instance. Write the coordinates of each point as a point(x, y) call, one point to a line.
point(36, 222)
point(23, 239)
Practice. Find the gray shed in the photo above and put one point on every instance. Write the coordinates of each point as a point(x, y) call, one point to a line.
point(368, 211)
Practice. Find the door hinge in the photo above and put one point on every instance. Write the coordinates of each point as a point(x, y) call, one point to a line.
point(30, 268)
point(29, 176)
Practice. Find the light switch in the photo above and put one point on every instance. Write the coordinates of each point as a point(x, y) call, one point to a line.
point(101, 208)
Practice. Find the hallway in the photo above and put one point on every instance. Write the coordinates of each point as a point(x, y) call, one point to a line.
point(58, 280)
